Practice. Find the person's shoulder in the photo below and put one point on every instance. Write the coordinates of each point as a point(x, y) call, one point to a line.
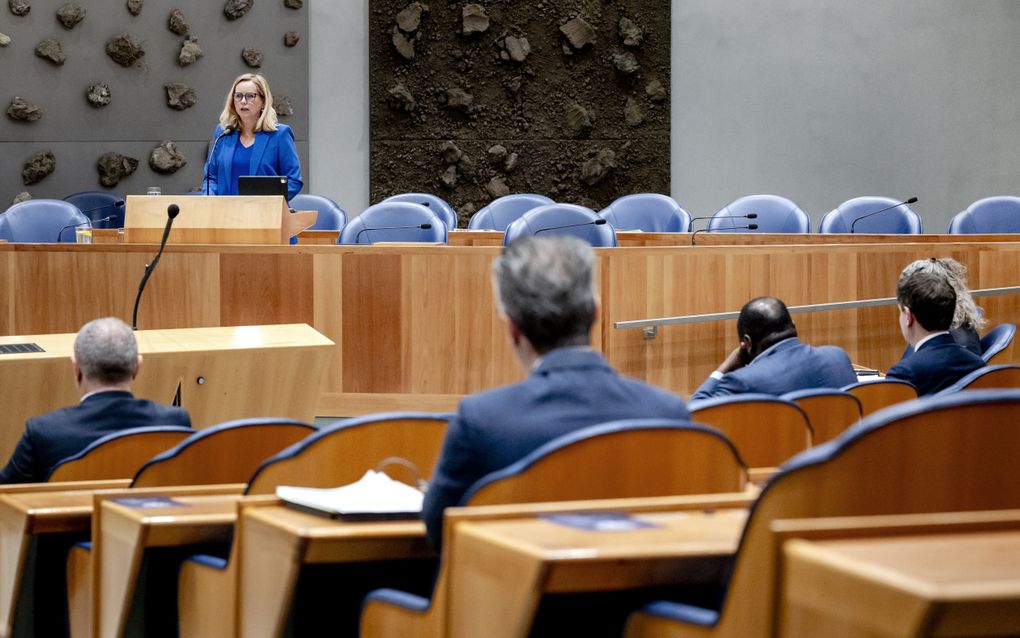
point(45, 424)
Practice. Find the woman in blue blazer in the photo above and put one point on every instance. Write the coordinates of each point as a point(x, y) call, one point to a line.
point(250, 141)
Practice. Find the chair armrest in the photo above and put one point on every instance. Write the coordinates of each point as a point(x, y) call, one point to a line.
point(397, 598)
point(207, 560)
point(681, 613)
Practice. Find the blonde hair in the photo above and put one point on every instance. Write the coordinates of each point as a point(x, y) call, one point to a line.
point(967, 312)
point(267, 119)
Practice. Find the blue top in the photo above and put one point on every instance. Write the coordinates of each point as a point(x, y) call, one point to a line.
point(242, 159)
point(273, 153)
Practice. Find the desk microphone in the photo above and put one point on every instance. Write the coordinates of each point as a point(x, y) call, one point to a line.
point(880, 210)
point(212, 151)
point(87, 221)
point(712, 230)
point(366, 229)
point(698, 219)
point(171, 212)
point(594, 222)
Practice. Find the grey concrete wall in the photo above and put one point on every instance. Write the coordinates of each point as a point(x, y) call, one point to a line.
point(137, 119)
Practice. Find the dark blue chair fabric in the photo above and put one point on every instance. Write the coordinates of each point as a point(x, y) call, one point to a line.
point(775, 215)
point(39, 221)
point(648, 212)
point(436, 204)
point(1000, 214)
point(964, 382)
point(997, 340)
point(116, 435)
point(547, 220)
point(100, 204)
point(901, 220)
point(394, 222)
point(501, 212)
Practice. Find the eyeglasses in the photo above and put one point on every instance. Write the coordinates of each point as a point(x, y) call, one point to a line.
point(245, 97)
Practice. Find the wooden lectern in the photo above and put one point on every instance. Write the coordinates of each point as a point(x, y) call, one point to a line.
point(218, 374)
point(214, 220)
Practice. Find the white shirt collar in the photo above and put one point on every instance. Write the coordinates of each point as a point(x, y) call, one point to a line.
point(917, 346)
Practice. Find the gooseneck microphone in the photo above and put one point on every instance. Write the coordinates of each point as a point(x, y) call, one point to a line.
point(212, 151)
point(366, 229)
point(87, 222)
point(594, 222)
point(698, 219)
point(171, 212)
point(694, 235)
point(880, 210)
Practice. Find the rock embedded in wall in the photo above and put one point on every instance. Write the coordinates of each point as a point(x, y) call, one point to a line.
point(293, 4)
point(125, 49)
point(50, 49)
point(236, 9)
point(70, 14)
point(166, 159)
point(4, 39)
point(98, 95)
point(252, 57)
point(190, 53)
point(23, 196)
point(180, 96)
point(134, 7)
point(114, 167)
point(177, 24)
point(291, 39)
point(283, 105)
point(19, 7)
point(38, 167)
point(20, 110)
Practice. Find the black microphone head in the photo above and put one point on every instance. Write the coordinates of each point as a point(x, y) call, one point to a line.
point(228, 130)
point(173, 210)
point(912, 200)
point(752, 215)
point(119, 202)
point(752, 226)
point(599, 221)
point(426, 226)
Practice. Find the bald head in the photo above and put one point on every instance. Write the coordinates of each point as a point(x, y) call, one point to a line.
point(766, 321)
point(106, 352)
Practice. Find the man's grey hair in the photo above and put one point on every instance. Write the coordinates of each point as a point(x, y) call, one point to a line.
point(545, 287)
point(106, 351)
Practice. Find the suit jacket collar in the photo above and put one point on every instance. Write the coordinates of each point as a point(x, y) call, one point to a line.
point(570, 357)
point(785, 344)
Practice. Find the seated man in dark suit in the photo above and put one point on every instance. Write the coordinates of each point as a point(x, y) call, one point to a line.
point(547, 300)
point(105, 361)
point(771, 360)
point(927, 302)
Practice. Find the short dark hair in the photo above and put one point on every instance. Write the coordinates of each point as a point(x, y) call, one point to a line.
point(545, 287)
point(930, 297)
point(766, 320)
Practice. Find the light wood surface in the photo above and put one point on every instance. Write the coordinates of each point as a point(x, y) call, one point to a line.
point(221, 373)
point(214, 219)
point(830, 414)
point(118, 458)
point(766, 433)
point(876, 395)
point(958, 584)
point(415, 327)
point(999, 378)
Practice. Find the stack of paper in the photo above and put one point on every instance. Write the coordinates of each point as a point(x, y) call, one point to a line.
point(374, 497)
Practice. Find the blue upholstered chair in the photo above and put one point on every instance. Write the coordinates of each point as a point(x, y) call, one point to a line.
point(118, 455)
point(901, 220)
point(394, 222)
point(990, 215)
point(331, 216)
point(829, 411)
point(774, 215)
point(649, 457)
point(503, 210)
point(436, 204)
point(648, 212)
point(99, 204)
point(987, 378)
point(563, 219)
point(226, 453)
point(942, 454)
point(40, 221)
point(998, 343)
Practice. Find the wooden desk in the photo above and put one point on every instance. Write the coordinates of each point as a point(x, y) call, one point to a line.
point(958, 584)
point(275, 541)
point(416, 328)
point(221, 374)
point(500, 569)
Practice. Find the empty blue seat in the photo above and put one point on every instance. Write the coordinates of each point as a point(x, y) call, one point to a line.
point(1000, 214)
point(501, 212)
point(648, 212)
point(100, 204)
point(331, 216)
point(774, 214)
point(563, 219)
point(41, 221)
point(436, 204)
point(900, 220)
point(997, 340)
point(394, 222)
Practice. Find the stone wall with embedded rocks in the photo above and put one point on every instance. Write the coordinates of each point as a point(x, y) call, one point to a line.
point(476, 100)
point(121, 95)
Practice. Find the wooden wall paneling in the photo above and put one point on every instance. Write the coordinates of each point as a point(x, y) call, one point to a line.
point(7, 306)
point(371, 340)
point(257, 288)
point(327, 313)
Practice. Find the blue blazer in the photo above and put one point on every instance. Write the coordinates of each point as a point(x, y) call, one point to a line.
point(571, 388)
point(274, 153)
point(939, 363)
point(787, 366)
point(54, 436)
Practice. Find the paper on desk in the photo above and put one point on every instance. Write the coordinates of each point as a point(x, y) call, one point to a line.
point(374, 493)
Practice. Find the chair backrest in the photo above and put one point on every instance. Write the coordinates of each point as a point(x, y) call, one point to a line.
point(648, 212)
point(341, 453)
point(875, 395)
point(331, 216)
point(394, 222)
point(502, 211)
point(41, 221)
point(225, 453)
point(767, 430)
point(997, 345)
point(944, 454)
point(562, 219)
point(118, 455)
point(900, 220)
point(436, 204)
point(774, 215)
point(1000, 214)
point(99, 204)
point(621, 459)
point(829, 411)
point(987, 378)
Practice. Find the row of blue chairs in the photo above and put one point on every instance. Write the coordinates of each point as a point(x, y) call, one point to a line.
point(422, 217)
